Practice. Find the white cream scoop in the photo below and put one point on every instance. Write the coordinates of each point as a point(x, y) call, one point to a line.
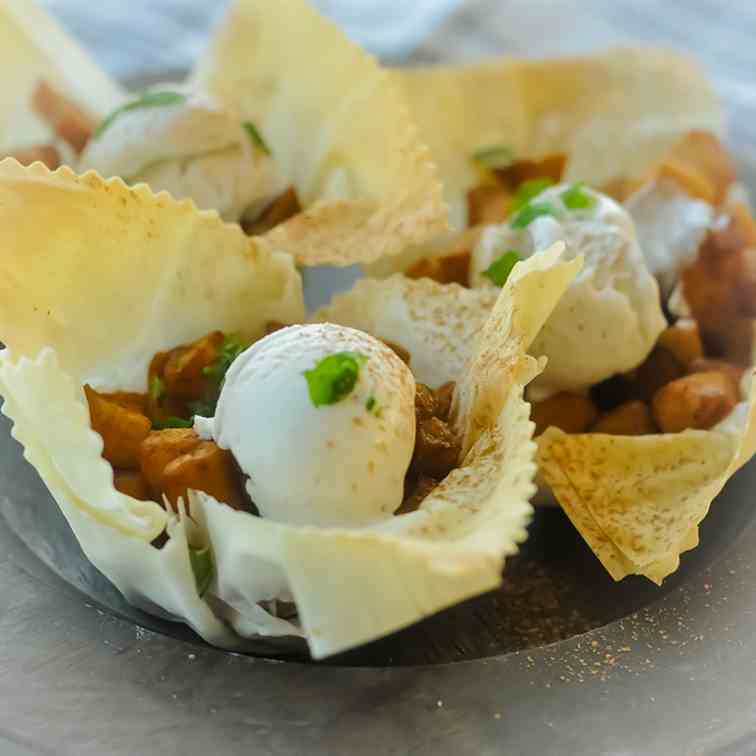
point(610, 317)
point(322, 420)
point(191, 146)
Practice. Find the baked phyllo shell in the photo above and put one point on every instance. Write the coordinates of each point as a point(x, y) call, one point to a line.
point(354, 585)
point(638, 499)
point(611, 115)
point(325, 124)
point(435, 323)
point(338, 128)
point(98, 277)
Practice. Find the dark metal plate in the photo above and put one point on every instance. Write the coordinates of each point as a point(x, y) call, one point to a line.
point(84, 673)
point(553, 590)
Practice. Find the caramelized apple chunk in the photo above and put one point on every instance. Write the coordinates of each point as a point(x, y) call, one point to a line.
point(177, 459)
point(698, 401)
point(632, 418)
point(122, 429)
point(571, 413)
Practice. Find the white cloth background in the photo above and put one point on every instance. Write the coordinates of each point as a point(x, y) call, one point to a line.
point(137, 37)
point(145, 39)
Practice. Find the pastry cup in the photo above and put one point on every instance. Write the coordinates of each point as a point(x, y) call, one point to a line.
point(337, 127)
point(97, 277)
point(612, 113)
point(335, 123)
point(615, 115)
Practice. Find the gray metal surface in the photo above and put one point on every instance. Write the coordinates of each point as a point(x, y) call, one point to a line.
point(677, 677)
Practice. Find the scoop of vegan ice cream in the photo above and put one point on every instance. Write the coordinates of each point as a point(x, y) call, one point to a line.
point(322, 420)
point(190, 146)
point(609, 319)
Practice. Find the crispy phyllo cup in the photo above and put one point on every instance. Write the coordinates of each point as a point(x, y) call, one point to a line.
point(401, 310)
point(122, 274)
point(96, 278)
point(599, 118)
point(313, 152)
point(637, 496)
point(353, 585)
point(337, 128)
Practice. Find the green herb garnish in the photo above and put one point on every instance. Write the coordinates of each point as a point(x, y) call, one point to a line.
point(229, 351)
point(157, 388)
point(172, 422)
point(496, 156)
point(576, 198)
point(202, 567)
point(145, 100)
point(501, 267)
point(531, 211)
point(527, 190)
point(256, 137)
point(372, 406)
point(334, 377)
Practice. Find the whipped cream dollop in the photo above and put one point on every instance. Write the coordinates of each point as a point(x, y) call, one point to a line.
point(610, 317)
point(323, 443)
point(191, 146)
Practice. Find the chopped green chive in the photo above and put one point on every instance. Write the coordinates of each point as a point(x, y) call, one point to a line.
point(231, 348)
point(334, 377)
point(496, 156)
point(201, 561)
point(527, 190)
point(157, 388)
point(531, 211)
point(256, 137)
point(576, 198)
point(172, 422)
point(499, 270)
point(372, 406)
point(145, 100)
